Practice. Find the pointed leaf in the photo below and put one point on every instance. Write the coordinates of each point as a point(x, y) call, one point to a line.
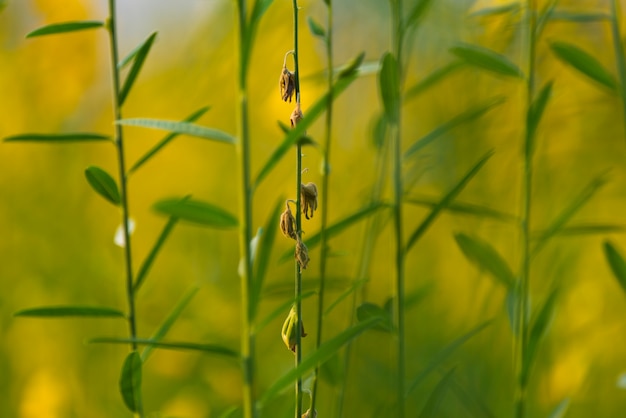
point(353, 67)
point(616, 262)
point(486, 257)
point(579, 17)
point(186, 128)
point(584, 62)
point(487, 59)
point(196, 211)
point(65, 27)
point(535, 112)
point(71, 311)
point(315, 28)
point(433, 403)
point(389, 86)
point(169, 345)
point(433, 78)
point(369, 310)
point(462, 208)
point(103, 184)
point(417, 13)
point(59, 138)
point(590, 229)
point(130, 381)
point(561, 409)
point(140, 58)
point(445, 202)
point(497, 10)
point(356, 285)
point(537, 331)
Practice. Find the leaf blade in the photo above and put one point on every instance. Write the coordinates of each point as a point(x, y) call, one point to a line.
point(103, 184)
point(147, 263)
point(196, 211)
point(486, 257)
point(583, 62)
point(130, 381)
point(65, 27)
point(389, 87)
point(169, 345)
point(186, 128)
point(60, 138)
point(71, 311)
point(487, 59)
point(138, 61)
point(616, 262)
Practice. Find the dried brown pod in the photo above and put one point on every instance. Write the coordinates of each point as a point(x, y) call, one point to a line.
point(296, 116)
point(308, 196)
point(288, 223)
point(287, 84)
point(302, 254)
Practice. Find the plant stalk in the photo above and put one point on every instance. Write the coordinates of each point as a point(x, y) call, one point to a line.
point(618, 47)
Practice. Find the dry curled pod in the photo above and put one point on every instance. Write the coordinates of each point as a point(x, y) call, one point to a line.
point(288, 224)
point(302, 254)
point(287, 84)
point(308, 195)
point(296, 116)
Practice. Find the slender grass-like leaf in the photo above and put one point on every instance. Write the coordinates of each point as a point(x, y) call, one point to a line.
point(281, 309)
point(537, 332)
point(196, 211)
point(310, 116)
point(315, 28)
point(442, 355)
point(389, 87)
point(591, 229)
point(169, 321)
point(138, 61)
point(264, 254)
point(147, 263)
point(535, 112)
point(103, 183)
point(487, 258)
point(560, 410)
point(416, 14)
point(249, 33)
point(497, 10)
point(169, 345)
point(318, 357)
point(579, 17)
point(353, 67)
point(584, 63)
point(445, 201)
point(545, 15)
point(186, 128)
point(59, 138)
point(472, 401)
point(369, 310)
point(71, 311)
point(433, 79)
point(487, 59)
point(356, 285)
point(230, 412)
point(465, 117)
point(462, 208)
point(433, 403)
point(616, 262)
point(65, 27)
point(568, 212)
point(130, 381)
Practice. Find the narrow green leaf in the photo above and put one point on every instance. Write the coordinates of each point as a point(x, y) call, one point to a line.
point(230, 412)
point(471, 399)
point(367, 311)
point(315, 28)
point(584, 63)
point(416, 14)
point(296, 133)
point(579, 17)
point(185, 128)
point(281, 309)
point(442, 355)
point(590, 229)
point(356, 285)
point(72, 311)
point(433, 403)
point(535, 112)
point(147, 263)
point(169, 321)
point(265, 252)
point(65, 27)
point(560, 410)
point(318, 357)
point(537, 331)
point(103, 184)
point(197, 212)
point(465, 117)
point(433, 78)
point(462, 208)
point(353, 67)
point(169, 345)
point(616, 262)
point(545, 14)
point(138, 61)
point(497, 10)
point(446, 201)
point(59, 138)
point(389, 87)
point(487, 59)
point(487, 258)
point(568, 212)
point(130, 381)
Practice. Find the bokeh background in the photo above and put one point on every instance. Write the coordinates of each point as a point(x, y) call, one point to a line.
point(56, 239)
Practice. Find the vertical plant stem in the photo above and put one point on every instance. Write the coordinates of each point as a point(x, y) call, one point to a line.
point(245, 219)
point(119, 144)
point(325, 192)
point(618, 47)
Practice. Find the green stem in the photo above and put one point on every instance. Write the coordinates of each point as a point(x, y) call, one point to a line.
point(324, 192)
point(119, 144)
point(245, 221)
point(619, 56)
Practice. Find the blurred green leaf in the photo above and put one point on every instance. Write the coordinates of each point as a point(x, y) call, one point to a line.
point(196, 211)
point(442, 355)
point(462, 208)
point(433, 403)
point(356, 285)
point(535, 112)
point(416, 14)
point(186, 128)
point(579, 17)
point(318, 357)
point(545, 14)
point(487, 59)
point(591, 229)
point(74, 311)
point(296, 133)
point(433, 78)
point(465, 117)
point(497, 10)
point(367, 311)
point(472, 400)
point(487, 258)
point(169, 345)
point(248, 31)
point(147, 263)
point(315, 28)
point(230, 412)
point(130, 381)
point(65, 27)
point(60, 138)
point(445, 202)
point(616, 262)
point(353, 67)
point(103, 184)
point(584, 63)
point(139, 59)
point(561, 409)
point(389, 87)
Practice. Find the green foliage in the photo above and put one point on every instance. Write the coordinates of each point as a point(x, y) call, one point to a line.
point(130, 381)
point(487, 59)
point(65, 27)
point(584, 63)
point(71, 311)
point(616, 262)
point(196, 211)
point(389, 87)
point(186, 128)
point(137, 57)
point(103, 184)
point(58, 138)
point(486, 258)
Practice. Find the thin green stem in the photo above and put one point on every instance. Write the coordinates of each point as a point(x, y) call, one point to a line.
point(245, 221)
point(324, 192)
point(618, 47)
point(119, 144)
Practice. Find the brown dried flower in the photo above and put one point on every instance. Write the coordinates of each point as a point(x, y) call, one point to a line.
point(308, 195)
point(288, 332)
point(287, 84)
point(296, 116)
point(302, 254)
point(288, 224)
